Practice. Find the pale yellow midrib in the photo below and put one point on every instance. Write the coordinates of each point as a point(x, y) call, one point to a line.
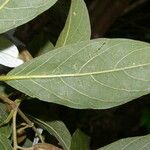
point(3, 4)
point(21, 77)
point(69, 26)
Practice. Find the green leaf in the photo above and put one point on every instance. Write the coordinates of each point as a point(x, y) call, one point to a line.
point(58, 130)
point(145, 119)
point(133, 143)
point(99, 74)
point(6, 130)
point(77, 27)
point(46, 48)
point(17, 12)
point(5, 144)
point(79, 141)
point(27, 143)
point(3, 112)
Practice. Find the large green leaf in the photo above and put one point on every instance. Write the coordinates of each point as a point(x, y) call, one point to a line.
point(99, 74)
point(17, 12)
point(58, 130)
point(79, 141)
point(77, 27)
point(133, 143)
point(5, 144)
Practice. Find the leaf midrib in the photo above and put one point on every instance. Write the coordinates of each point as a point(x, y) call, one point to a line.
point(21, 77)
point(69, 26)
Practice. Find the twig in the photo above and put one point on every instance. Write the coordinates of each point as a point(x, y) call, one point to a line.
point(134, 5)
point(31, 124)
point(8, 101)
point(23, 148)
point(25, 55)
point(14, 128)
point(13, 106)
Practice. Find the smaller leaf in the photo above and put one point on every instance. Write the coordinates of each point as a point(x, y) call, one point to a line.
point(27, 142)
point(145, 119)
point(3, 112)
point(77, 27)
point(133, 143)
point(79, 141)
point(5, 144)
point(58, 130)
point(6, 130)
point(46, 48)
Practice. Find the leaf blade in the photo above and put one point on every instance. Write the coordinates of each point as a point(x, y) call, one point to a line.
point(77, 27)
point(136, 143)
point(58, 130)
point(80, 141)
point(118, 71)
point(15, 13)
point(5, 143)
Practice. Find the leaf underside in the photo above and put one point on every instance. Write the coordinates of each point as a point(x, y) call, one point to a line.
point(77, 27)
point(99, 74)
point(58, 130)
point(133, 143)
point(5, 144)
point(17, 12)
point(80, 141)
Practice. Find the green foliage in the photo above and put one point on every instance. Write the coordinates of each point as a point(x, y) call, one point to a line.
point(78, 72)
point(80, 141)
point(65, 75)
point(58, 130)
point(133, 143)
point(145, 119)
point(5, 143)
point(6, 130)
point(16, 12)
point(77, 27)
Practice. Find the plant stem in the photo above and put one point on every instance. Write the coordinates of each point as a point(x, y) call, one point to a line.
point(8, 101)
point(15, 105)
point(14, 128)
point(22, 148)
point(30, 124)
